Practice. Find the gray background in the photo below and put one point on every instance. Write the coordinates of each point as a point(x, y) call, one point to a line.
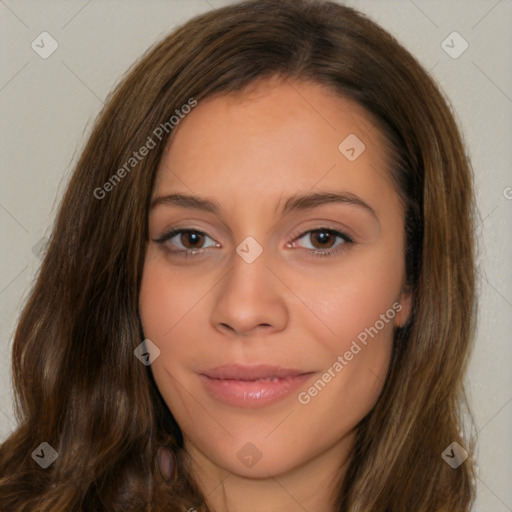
point(48, 106)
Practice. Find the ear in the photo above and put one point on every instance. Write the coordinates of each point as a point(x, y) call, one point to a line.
point(403, 311)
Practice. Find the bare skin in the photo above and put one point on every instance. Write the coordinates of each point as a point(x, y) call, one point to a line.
point(288, 307)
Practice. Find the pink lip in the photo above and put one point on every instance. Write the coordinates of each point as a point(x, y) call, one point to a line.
point(245, 386)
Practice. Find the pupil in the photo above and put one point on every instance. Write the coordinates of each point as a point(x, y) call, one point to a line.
point(192, 238)
point(323, 236)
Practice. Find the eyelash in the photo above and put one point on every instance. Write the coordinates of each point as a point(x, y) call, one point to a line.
point(189, 252)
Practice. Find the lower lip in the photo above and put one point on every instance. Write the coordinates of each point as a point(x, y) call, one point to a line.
point(257, 393)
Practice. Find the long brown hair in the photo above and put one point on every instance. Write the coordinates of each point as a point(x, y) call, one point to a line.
point(77, 384)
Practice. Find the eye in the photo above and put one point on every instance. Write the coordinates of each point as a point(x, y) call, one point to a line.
point(323, 241)
point(190, 241)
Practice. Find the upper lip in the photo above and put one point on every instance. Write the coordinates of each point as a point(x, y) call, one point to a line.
point(254, 372)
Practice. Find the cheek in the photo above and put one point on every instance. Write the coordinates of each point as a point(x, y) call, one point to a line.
point(355, 360)
point(164, 303)
point(356, 295)
point(168, 300)
point(161, 307)
point(166, 297)
point(357, 302)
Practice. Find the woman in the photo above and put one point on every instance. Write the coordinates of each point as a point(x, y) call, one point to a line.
point(183, 350)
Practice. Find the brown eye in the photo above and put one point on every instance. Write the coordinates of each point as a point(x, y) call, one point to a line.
point(185, 241)
point(191, 239)
point(322, 241)
point(324, 238)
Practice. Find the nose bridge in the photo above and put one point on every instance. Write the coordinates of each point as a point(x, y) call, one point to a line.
point(250, 270)
point(250, 295)
point(253, 225)
point(251, 251)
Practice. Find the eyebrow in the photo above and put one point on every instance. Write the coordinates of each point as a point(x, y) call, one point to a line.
point(294, 203)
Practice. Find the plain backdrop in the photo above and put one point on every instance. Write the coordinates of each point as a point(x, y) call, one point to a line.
point(49, 104)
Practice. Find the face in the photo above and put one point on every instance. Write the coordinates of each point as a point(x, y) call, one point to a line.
point(274, 275)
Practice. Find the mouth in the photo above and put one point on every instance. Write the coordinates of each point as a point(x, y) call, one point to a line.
point(252, 386)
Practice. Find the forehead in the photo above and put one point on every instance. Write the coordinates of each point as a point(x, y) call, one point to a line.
point(272, 140)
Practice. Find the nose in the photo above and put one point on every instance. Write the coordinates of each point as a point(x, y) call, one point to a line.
point(250, 300)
